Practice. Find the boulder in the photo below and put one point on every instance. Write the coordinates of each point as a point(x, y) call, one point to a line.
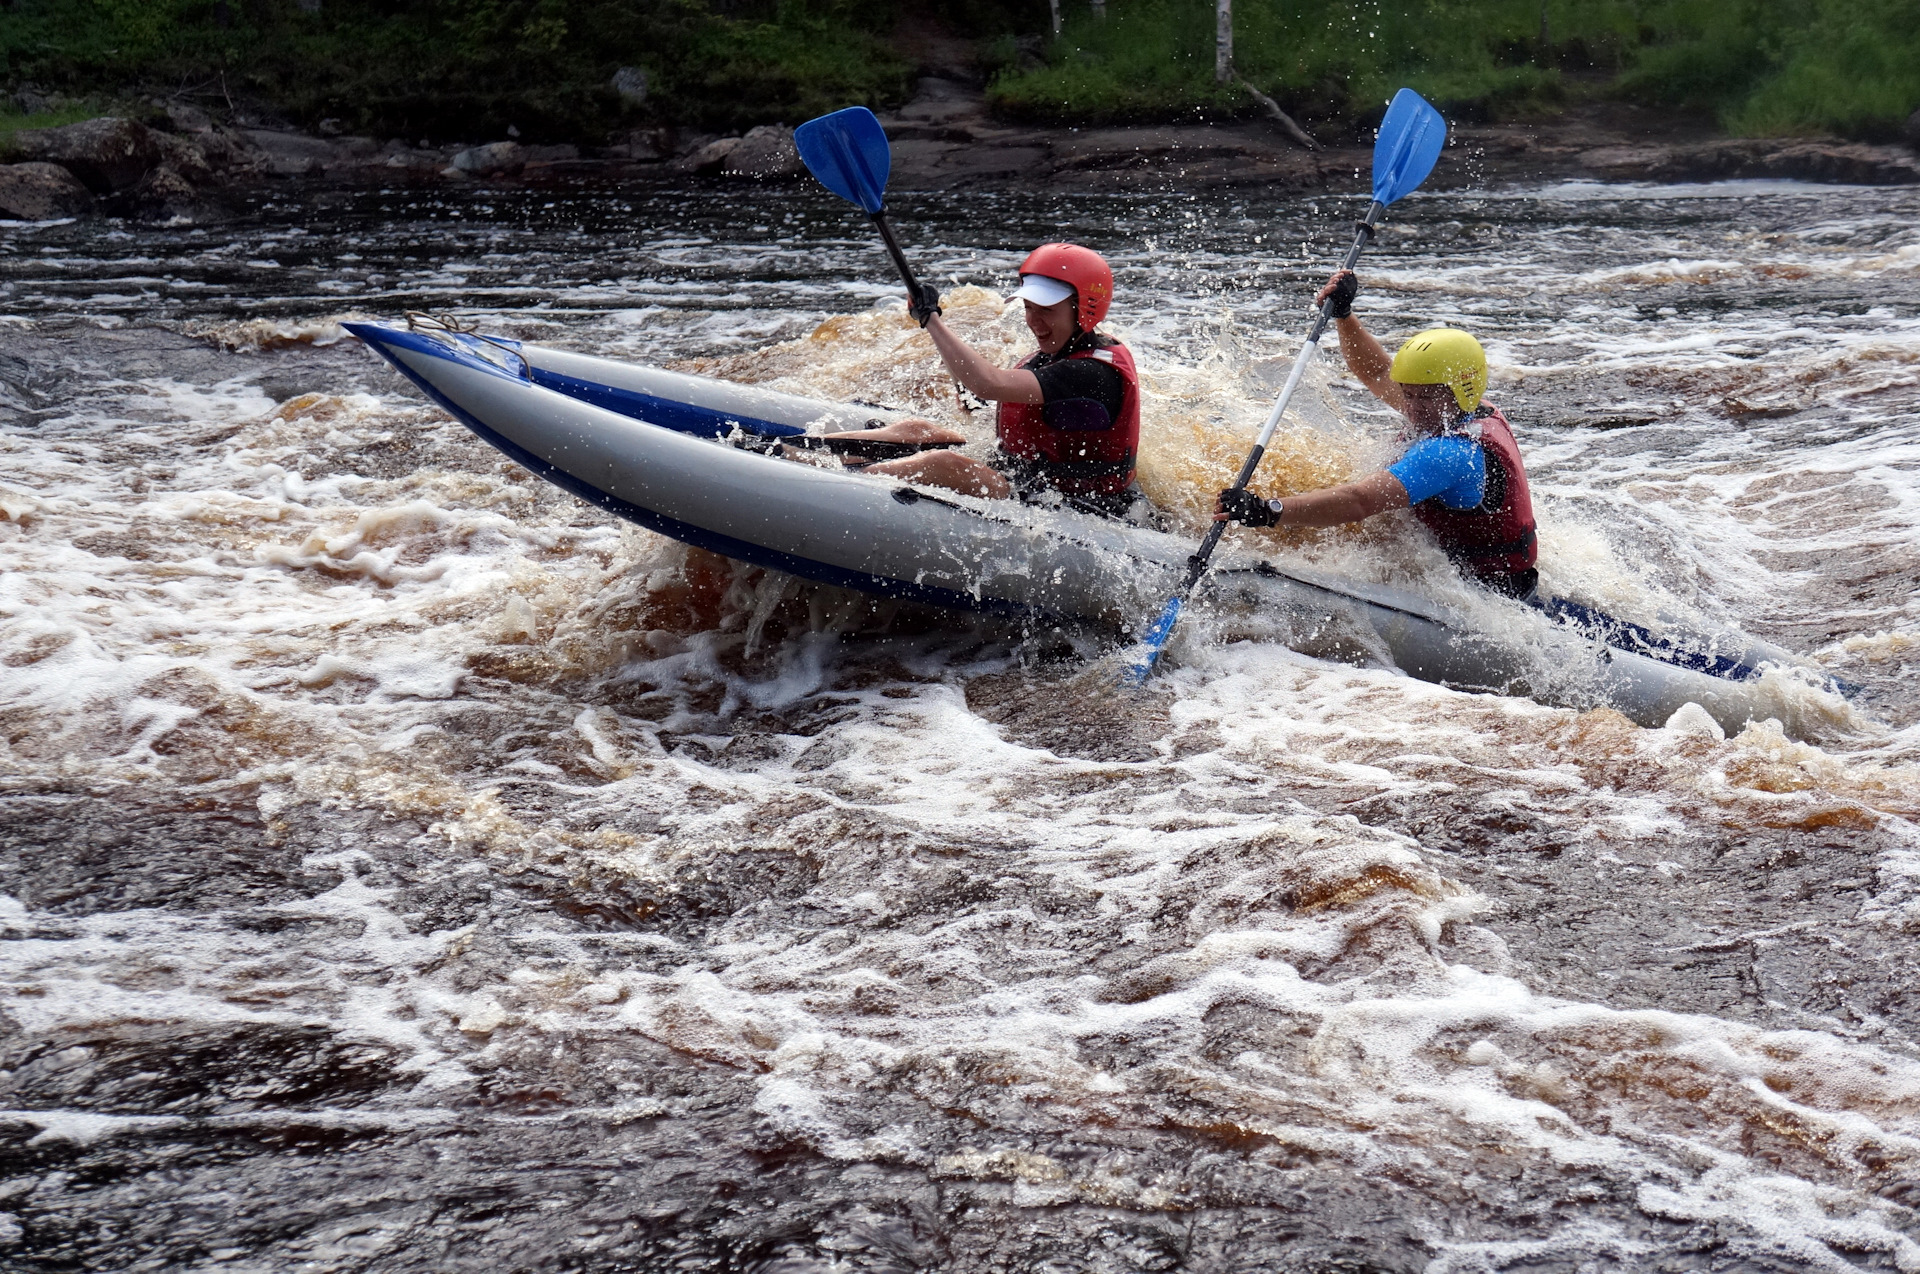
point(491, 160)
point(707, 159)
point(108, 154)
point(1844, 163)
point(217, 151)
point(291, 154)
point(165, 193)
point(766, 151)
point(41, 192)
point(402, 156)
point(1850, 163)
point(189, 119)
point(630, 82)
point(184, 154)
point(650, 145)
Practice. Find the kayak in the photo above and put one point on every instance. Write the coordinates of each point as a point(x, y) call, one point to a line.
point(697, 459)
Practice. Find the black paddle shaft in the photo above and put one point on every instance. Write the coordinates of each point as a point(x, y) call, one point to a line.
point(907, 275)
point(1197, 564)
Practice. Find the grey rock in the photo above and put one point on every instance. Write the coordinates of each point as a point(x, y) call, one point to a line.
point(708, 158)
point(1816, 161)
point(407, 159)
point(166, 193)
point(650, 145)
point(630, 82)
point(108, 154)
point(40, 192)
point(291, 154)
point(491, 160)
point(766, 151)
point(1913, 130)
point(1843, 164)
point(186, 156)
point(189, 119)
point(211, 155)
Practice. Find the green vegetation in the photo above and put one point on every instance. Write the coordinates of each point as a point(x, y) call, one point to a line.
point(466, 69)
point(1759, 66)
point(12, 122)
point(1328, 64)
point(463, 69)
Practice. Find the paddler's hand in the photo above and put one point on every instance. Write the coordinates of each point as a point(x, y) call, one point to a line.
point(1338, 295)
point(1246, 508)
point(925, 305)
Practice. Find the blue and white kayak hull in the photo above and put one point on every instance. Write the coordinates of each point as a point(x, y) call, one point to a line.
point(650, 446)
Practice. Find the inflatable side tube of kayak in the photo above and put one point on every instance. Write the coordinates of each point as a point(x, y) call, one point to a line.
point(1717, 652)
point(1359, 623)
point(823, 524)
point(692, 404)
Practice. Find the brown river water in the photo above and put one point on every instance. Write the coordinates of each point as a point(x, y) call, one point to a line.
point(405, 867)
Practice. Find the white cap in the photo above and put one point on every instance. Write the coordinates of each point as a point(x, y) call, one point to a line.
point(1041, 290)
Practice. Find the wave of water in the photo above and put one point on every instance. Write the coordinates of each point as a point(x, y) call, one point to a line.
point(407, 867)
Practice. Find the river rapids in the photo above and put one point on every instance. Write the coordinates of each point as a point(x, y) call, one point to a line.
point(406, 867)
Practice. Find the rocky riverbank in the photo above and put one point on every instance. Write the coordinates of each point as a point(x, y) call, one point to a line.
point(185, 164)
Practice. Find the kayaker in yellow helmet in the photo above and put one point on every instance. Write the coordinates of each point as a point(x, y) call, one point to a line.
point(1461, 470)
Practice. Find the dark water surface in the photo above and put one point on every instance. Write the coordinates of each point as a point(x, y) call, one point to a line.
point(404, 867)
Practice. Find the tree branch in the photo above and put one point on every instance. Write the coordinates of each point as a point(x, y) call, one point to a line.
point(1293, 130)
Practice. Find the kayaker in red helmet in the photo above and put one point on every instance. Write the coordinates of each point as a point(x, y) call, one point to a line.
point(1069, 420)
point(1461, 471)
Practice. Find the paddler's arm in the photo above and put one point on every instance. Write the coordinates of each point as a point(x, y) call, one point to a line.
point(1330, 506)
point(996, 384)
point(1366, 358)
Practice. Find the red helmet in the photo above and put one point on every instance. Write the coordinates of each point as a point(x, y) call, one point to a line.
point(1081, 269)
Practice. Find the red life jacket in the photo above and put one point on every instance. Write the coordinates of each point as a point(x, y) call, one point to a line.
point(1498, 537)
point(1076, 461)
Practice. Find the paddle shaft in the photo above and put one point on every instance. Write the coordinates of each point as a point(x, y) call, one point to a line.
point(1197, 564)
point(907, 275)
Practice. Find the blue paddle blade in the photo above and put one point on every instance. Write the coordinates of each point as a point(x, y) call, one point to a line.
point(1153, 643)
point(848, 152)
point(1410, 140)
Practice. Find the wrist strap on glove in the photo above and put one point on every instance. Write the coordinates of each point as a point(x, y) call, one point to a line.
point(1346, 286)
point(1248, 509)
point(925, 305)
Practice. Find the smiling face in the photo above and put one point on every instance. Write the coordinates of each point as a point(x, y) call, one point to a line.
point(1052, 325)
point(1428, 407)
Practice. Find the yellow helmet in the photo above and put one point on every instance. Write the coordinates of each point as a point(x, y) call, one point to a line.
point(1444, 356)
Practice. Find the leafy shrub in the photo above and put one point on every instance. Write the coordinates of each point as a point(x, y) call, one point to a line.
point(1760, 66)
point(463, 69)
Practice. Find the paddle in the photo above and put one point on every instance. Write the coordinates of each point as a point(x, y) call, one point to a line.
point(871, 448)
point(1409, 142)
point(847, 152)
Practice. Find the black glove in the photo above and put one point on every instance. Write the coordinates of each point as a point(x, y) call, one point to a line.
point(1346, 286)
point(1248, 509)
point(925, 305)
